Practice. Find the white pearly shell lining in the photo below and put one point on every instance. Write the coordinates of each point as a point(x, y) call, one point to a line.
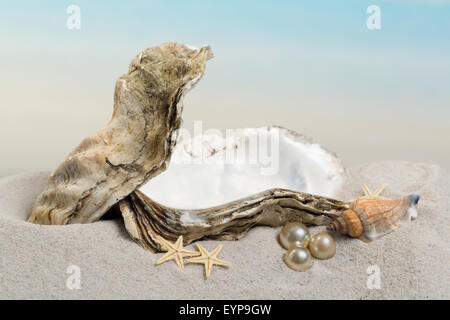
point(201, 176)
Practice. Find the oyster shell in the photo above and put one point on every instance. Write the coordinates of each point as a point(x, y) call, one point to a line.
point(135, 146)
point(217, 188)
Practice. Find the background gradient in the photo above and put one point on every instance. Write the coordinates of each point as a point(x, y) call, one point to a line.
point(311, 66)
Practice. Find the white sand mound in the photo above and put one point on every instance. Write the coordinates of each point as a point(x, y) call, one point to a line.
point(413, 261)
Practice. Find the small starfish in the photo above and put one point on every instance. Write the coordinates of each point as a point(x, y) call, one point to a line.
point(209, 259)
point(176, 252)
point(376, 194)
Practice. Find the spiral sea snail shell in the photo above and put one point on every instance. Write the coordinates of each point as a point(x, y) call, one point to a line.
point(372, 216)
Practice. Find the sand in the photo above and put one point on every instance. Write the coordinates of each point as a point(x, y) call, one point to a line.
point(413, 261)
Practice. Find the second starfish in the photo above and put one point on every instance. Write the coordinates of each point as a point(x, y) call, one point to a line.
point(209, 259)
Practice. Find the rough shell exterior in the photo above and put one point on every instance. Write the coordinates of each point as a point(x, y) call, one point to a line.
point(136, 144)
point(146, 220)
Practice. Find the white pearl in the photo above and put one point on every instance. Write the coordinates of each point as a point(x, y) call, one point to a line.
point(298, 259)
point(294, 234)
point(322, 246)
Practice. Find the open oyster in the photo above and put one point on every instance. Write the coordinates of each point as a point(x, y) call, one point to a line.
point(215, 188)
point(108, 167)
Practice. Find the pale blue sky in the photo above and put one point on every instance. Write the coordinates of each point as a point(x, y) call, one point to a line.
point(314, 45)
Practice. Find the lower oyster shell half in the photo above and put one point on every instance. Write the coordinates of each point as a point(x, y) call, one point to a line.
point(209, 170)
point(220, 188)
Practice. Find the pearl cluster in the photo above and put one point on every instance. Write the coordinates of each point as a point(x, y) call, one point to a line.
point(296, 238)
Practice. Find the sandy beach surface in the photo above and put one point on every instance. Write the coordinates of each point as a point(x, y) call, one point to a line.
point(413, 262)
